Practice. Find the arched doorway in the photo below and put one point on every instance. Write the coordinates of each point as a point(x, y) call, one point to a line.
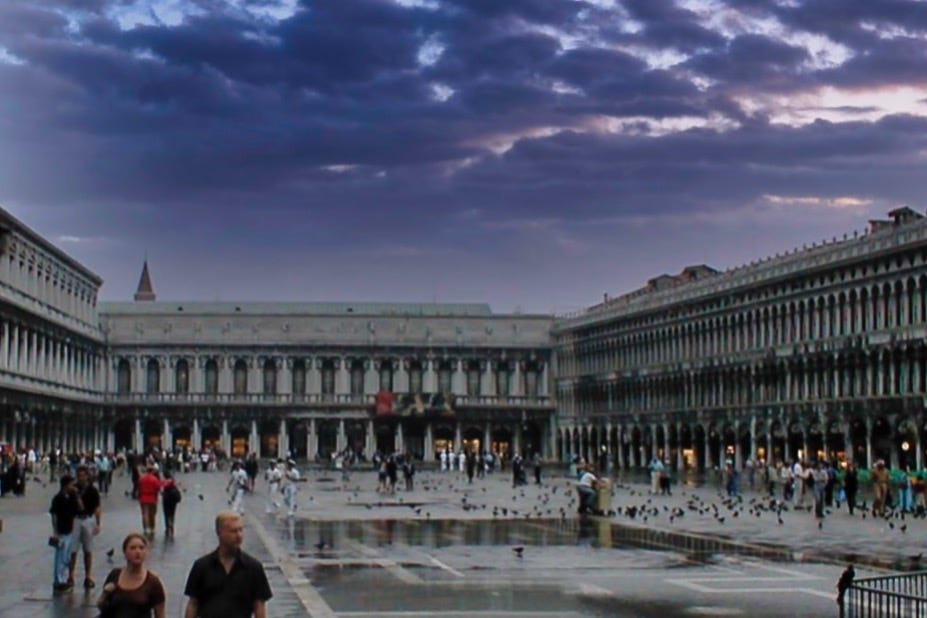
point(151, 432)
point(502, 442)
point(859, 438)
point(299, 439)
point(882, 440)
point(328, 439)
point(906, 444)
point(413, 429)
point(443, 435)
point(715, 446)
point(385, 431)
point(532, 439)
point(355, 432)
point(698, 446)
point(182, 435)
point(777, 442)
point(815, 442)
point(473, 439)
point(637, 447)
point(796, 440)
point(123, 434)
point(211, 437)
point(240, 436)
point(836, 444)
point(270, 438)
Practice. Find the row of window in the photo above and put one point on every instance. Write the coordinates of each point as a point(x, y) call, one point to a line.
point(356, 373)
point(847, 313)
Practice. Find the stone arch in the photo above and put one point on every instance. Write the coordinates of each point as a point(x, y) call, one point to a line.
point(153, 376)
point(124, 377)
point(906, 441)
point(182, 377)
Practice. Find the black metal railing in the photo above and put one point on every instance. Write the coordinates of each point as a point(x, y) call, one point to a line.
point(889, 596)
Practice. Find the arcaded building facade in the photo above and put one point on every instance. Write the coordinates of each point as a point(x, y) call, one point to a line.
point(816, 353)
point(52, 351)
point(312, 379)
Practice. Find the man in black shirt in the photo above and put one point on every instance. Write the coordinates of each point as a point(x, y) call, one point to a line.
point(89, 520)
point(227, 583)
point(64, 508)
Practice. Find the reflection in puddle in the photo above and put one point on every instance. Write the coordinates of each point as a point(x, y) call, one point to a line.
point(304, 536)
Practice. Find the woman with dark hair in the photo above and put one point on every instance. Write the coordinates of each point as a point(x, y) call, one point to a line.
point(133, 591)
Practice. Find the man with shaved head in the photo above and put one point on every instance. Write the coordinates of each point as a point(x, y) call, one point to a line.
point(227, 583)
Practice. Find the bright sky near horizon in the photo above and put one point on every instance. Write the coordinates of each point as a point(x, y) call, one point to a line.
point(532, 154)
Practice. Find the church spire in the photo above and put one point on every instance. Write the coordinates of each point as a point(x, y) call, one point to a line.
point(145, 290)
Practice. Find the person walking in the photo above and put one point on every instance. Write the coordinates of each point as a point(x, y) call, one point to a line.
point(64, 508)
point(851, 485)
point(170, 498)
point(273, 476)
point(291, 477)
point(88, 524)
point(133, 590)
point(149, 487)
point(880, 480)
point(238, 482)
point(227, 583)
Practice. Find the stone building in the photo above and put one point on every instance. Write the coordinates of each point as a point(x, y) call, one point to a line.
point(818, 352)
point(52, 360)
point(310, 379)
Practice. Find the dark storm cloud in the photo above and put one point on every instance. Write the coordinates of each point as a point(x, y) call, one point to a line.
point(369, 122)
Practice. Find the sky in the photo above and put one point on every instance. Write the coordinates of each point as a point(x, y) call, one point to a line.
point(531, 154)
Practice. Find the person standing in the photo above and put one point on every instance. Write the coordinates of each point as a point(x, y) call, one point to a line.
point(273, 476)
point(134, 590)
point(251, 469)
point(238, 482)
point(104, 472)
point(537, 468)
point(290, 489)
point(87, 526)
point(64, 508)
point(149, 487)
point(227, 583)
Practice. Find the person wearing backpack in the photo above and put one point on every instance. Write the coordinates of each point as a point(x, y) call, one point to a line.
point(170, 498)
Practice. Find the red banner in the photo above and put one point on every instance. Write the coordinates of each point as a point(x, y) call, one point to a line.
point(384, 401)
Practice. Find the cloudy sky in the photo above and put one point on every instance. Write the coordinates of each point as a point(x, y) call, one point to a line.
point(526, 153)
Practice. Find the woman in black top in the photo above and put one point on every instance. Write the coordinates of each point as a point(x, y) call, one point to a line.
point(133, 591)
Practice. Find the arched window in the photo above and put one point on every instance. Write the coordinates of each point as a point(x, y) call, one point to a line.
point(357, 377)
point(299, 377)
point(328, 377)
point(182, 377)
point(444, 377)
point(153, 384)
point(386, 375)
point(212, 377)
point(473, 378)
point(415, 377)
point(241, 377)
point(124, 377)
point(270, 377)
point(502, 380)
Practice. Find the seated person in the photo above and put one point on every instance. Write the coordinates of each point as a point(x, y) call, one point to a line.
point(588, 484)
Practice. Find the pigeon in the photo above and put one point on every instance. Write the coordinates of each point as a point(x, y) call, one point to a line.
point(519, 551)
point(200, 496)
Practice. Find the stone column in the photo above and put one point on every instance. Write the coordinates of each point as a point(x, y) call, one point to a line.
point(487, 383)
point(254, 440)
point(429, 443)
point(372, 376)
point(458, 378)
point(370, 445)
point(167, 439)
point(285, 378)
point(487, 436)
point(313, 377)
point(138, 436)
point(195, 437)
point(707, 446)
point(399, 443)
point(283, 441)
point(429, 377)
point(312, 441)
point(458, 439)
point(544, 385)
point(226, 438)
point(401, 376)
point(516, 450)
point(680, 461)
point(340, 439)
point(342, 377)
point(869, 443)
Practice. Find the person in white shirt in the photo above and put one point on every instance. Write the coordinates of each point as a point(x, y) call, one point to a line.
point(290, 489)
point(273, 476)
point(588, 484)
point(239, 480)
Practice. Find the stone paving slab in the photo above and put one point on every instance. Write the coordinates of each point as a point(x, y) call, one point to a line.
point(27, 572)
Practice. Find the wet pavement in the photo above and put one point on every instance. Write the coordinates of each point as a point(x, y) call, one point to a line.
point(485, 550)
